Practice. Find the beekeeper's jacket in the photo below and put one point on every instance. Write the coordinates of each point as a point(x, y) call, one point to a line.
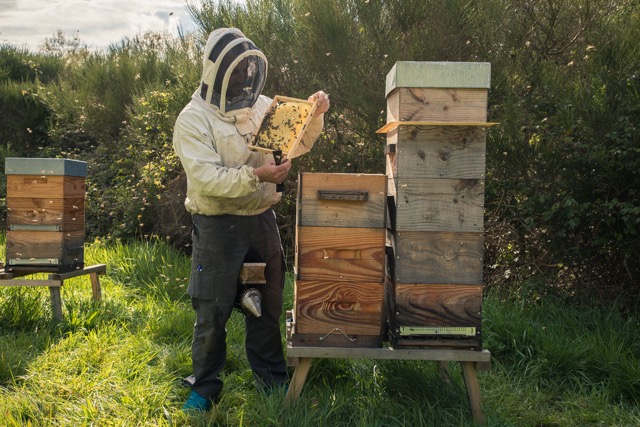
point(212, 134)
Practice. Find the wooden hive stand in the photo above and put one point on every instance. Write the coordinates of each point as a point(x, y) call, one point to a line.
point(55, 282)
point(470, 362)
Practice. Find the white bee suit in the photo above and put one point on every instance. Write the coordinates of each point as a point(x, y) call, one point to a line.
point(232, 217)
point(212, 133)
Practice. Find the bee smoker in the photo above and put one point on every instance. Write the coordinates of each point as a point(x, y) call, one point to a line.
point(248, 298)
point(251, 302)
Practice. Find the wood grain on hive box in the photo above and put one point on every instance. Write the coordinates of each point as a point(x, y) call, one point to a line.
point(64, 214)
point(45, 248)
point(437, 104)
point(434, 315)
point(437, 257)
point(341, 200)
point(437, 91)
point(340, 259)
point(43, 186)
point(438, 305)
point(336, 253)
point(440, 204)
point(437, 151)
point(353, 307)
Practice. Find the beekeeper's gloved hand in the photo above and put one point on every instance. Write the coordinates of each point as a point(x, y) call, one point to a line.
point(323, 102)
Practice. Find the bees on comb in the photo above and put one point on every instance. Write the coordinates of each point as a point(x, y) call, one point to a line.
point(283, 124)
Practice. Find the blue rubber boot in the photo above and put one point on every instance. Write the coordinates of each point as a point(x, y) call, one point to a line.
point(197, 403)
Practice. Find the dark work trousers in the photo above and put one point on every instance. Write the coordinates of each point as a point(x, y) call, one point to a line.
point(220, 245)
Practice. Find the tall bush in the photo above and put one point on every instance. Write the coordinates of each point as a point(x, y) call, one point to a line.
point(23, 117)
point(563, 177)
point(132, 175)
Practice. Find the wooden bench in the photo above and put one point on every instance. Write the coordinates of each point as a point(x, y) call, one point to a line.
point(470, 361)
point(55, 282)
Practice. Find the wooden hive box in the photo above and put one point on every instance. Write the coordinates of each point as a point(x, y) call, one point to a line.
point(45, 214)
point(445, 161)
point(340, 260)
point(438, 91)
point(436, 145)
point(437, 207)
point(340, 227)
point(338, 314)
point(433, 315)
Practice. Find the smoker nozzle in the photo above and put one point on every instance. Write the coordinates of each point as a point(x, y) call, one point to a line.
point(251, 302)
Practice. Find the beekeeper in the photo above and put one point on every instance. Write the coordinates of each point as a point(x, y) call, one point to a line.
point(230, 193)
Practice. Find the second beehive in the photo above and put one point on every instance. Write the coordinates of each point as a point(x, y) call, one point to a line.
point(45, 214)
point(340, 260)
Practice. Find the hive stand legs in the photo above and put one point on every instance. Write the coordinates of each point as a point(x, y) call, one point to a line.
point(304, 356)
point(95, 286)
point(93, 272)
point(471, 384)
point(56, 302)
point(55, 282)
point(473, 390)
point(298, 379)
point(443, 370)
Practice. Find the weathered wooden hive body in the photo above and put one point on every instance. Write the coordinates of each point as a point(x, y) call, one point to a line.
point(45, 214)
point(340, 260)
point(436, 140)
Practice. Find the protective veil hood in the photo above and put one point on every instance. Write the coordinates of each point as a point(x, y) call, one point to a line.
point(234, 71)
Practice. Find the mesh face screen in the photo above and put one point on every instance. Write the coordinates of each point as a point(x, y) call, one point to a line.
point(242, 84)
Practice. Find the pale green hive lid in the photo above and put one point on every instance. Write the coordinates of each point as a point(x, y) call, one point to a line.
point(41, 166)
point(421, 74)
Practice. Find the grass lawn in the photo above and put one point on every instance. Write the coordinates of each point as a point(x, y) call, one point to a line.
point(120, 361)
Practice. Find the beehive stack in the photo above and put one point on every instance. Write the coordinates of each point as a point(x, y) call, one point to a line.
point(45, 214)
point(340, 260)
point(436, 139)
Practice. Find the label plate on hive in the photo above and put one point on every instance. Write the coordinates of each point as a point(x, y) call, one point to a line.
point(438, 330)
point(34, 261)
point(26, 227)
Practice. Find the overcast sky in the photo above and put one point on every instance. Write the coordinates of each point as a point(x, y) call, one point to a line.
point(98, 23)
